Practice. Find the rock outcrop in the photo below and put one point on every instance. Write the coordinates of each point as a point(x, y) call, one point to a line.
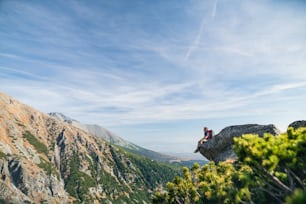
point(219, 148)
point(298, 124)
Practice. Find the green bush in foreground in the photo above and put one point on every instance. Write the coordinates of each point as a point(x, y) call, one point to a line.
point(278, 161)
point(270, 169)
point(222, 183)
point(298, 197)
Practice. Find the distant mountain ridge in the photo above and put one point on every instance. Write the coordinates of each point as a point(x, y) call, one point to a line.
point(95, 130)
point(109, 136)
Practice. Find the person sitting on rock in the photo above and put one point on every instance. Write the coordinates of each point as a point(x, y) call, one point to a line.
point(208, 134)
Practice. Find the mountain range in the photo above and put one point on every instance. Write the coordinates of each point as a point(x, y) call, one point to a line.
point(51, 158)
point(114, 139)
point(46, 160)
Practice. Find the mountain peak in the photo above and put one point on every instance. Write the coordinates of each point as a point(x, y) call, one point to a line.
point(62, 117)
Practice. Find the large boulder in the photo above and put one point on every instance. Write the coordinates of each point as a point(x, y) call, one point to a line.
point(298, 124)
point(219, 148)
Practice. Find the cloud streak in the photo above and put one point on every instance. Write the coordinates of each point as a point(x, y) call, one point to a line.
point(133, 65)
point(197, 39)
point(214, 11)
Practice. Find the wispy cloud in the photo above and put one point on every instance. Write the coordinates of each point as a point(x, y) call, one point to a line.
point(214, 11)
point(197, 39)
point(120, 64)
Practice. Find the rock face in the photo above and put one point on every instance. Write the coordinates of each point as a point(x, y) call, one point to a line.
point(219, 148)
point(298, 124)
point(45, 160)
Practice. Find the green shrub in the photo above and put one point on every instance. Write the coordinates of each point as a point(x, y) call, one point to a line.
point(3, 156)
point(77, 183)
point(298, 197)
point(39, 146)
point(270, 169)
point(48, 167)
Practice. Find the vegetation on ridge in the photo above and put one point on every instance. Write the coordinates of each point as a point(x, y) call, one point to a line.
point(2, 155)
point(39, 146)
point(48, 167)
point(77, 183)
point(270, 169)
point(121, 188)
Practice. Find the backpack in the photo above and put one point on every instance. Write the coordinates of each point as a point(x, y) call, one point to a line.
point(211, 133)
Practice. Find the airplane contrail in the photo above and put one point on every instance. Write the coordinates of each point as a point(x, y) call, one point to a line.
point(197, 39)
point(214, 9)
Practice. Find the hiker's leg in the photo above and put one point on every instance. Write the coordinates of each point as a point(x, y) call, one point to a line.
point(198, 147)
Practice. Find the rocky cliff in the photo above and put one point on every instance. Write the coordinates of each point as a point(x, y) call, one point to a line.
point(219, 148)
point(45, 160)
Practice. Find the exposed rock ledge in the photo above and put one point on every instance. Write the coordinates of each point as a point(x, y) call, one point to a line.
point(298, 124)
point(219, 148)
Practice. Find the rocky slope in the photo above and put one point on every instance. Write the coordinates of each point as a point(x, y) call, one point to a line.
point(109, 136)
point(92, 129)
point(219, 148)
point(45, 160)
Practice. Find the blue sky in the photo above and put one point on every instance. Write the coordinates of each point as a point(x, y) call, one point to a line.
point(156, 72)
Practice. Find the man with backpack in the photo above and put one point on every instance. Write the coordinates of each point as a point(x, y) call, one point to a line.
point(208, 134)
